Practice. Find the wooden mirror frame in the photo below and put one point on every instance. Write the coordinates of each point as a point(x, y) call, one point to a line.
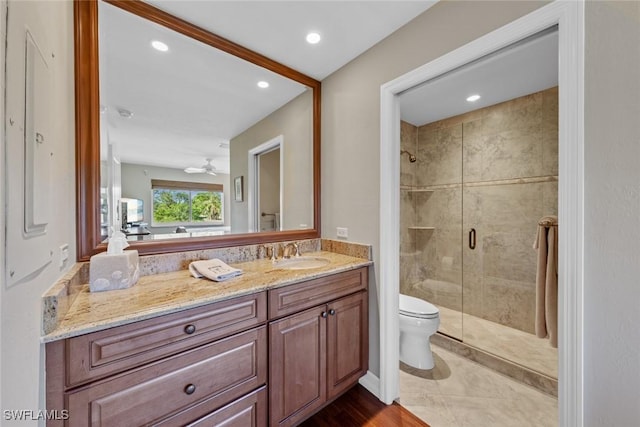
point(87, 101)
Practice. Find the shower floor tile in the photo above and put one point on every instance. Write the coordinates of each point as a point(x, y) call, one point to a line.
point(458, 392)
point(512, 344)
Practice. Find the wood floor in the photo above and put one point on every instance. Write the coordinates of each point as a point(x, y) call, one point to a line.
point(358, 407)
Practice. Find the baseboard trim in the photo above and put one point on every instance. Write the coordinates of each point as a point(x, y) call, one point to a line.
point(372, 383)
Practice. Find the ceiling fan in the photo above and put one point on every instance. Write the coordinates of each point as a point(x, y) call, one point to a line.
point(208, 168)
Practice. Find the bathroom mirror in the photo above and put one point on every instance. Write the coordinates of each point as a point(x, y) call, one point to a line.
point(115, 152)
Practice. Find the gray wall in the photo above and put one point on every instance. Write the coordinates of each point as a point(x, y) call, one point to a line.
point(612, 214)
point(293, 121)
point(136, 184)
point(351, 118)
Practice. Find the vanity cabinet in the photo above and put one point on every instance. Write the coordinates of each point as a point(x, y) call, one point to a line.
point(184, 368)
point(269, 358)
point(316, 353)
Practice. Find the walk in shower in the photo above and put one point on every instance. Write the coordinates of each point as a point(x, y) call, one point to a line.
point(470, 206)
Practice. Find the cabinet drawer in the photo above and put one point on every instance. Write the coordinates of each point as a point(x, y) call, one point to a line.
point(199, 380)
point(249, 411)
point(96, 355)
point(294, 298)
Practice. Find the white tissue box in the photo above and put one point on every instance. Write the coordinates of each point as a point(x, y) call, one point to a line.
point(116, 271)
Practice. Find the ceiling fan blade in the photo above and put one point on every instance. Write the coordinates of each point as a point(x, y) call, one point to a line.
point(195, 170)
point(207, 168)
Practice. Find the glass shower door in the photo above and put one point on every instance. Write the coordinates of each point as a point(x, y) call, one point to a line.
point(509, 183)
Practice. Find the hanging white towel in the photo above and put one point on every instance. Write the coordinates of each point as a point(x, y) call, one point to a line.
point(547, 280)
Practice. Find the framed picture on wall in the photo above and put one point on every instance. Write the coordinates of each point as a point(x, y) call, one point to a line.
point(238, 188)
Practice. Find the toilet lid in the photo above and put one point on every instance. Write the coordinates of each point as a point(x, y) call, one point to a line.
point(416, 307)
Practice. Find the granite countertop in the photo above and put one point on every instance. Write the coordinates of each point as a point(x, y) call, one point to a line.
point(165, 293)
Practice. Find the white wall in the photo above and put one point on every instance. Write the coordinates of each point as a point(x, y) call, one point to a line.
point(21, 367)
point(351, 119)
point(612, 214)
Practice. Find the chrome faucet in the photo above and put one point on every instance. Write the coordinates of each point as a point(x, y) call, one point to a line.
point(289, 247)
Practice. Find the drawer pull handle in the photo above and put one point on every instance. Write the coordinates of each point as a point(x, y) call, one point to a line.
point(189, 329)
point(332, 312)
point(190, 389)
point(323, 314)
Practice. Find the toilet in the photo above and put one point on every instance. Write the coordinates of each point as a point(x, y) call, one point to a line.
point(418, 321)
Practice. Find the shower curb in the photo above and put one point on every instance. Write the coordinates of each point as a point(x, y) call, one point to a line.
point(513, 370)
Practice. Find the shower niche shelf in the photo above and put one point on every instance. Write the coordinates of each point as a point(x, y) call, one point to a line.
point(420, 191)
point(422, 228)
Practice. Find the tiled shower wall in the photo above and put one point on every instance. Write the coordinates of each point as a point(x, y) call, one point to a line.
point(494, 170)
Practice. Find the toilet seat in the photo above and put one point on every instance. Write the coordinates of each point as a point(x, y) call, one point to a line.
point(418, 308)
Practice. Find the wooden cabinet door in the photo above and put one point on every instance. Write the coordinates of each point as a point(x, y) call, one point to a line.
point(347, 342)
point(297, 359)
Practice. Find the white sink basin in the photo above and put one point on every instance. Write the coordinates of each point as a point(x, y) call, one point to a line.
point(301, 263)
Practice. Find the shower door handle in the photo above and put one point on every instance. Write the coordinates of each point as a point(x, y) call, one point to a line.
point(472, 238)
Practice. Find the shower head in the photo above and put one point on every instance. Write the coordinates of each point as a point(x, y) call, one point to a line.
point(412, 158)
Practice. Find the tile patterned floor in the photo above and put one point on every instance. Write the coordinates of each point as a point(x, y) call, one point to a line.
point(460, 393)
point(512, 344)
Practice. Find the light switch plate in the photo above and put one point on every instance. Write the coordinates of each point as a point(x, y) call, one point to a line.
point(342, 232)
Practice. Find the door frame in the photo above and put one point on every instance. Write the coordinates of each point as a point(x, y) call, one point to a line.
point(569, 16)
point(253, 184)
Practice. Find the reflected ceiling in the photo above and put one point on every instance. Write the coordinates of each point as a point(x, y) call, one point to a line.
point(183, 108)
point(178, 107)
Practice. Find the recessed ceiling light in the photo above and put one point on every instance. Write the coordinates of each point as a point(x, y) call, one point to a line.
point(313, 38)
point(262, 84)
point(158, 45)
point(473, 98)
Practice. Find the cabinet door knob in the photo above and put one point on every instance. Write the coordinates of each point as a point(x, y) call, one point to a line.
point(332, 312)
point(190, 389)
point(323, 314)
point(189, 329)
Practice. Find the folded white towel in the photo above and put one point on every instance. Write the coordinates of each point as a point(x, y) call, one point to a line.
point(213, 269)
